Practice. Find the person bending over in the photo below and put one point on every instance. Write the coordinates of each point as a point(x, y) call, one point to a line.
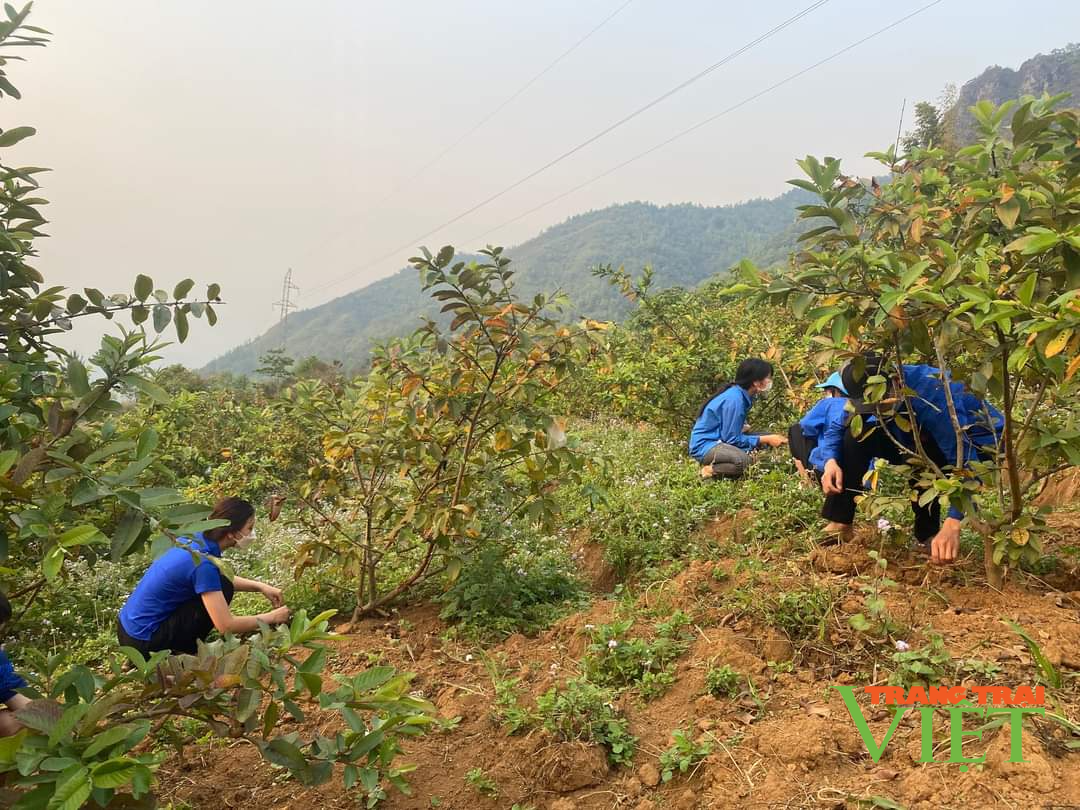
point(847, 457)
point(183, 596)
point(10, 700)
point(719, 441)
point(805, 435)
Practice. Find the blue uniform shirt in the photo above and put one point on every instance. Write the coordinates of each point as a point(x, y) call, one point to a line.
point(931, 414)
point(172, 579)
point(722, 421)
point(9, 681)
point(817, 420)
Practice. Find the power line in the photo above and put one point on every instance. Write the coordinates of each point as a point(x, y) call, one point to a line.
point(709, 120)
point(612, 127)
point(466, 135)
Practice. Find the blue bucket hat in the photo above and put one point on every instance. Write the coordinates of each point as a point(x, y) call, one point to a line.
point(834, 381)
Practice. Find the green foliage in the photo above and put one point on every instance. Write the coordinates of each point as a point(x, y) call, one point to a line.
point(449, 437)
point(507, 710)
point(877, 619)
point(614, 660)
point(1048, 673)
point(970, 263)
point(683, 755)
point(520, 587)
point(723, 682)
point(581, 710)
point(802, 614)
point(81, 731)
point(483, 783)
point(926, 666)
point(675, 351)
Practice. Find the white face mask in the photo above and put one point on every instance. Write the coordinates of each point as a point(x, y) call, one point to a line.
point(247, 540)
point(767, 386)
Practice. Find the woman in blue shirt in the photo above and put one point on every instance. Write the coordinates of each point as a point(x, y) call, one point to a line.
point(806, 434)
point(183, 595)
point(719, 441)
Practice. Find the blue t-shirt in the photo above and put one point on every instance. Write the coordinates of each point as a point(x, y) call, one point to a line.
point(172, 579)
point(722, 421)
point(980, 421)
point(9, 680)
point(825, 412)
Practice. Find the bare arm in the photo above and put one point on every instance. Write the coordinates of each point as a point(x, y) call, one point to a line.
point(254, 586)
point(225, 622)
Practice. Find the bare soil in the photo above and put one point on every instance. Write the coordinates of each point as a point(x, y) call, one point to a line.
point(789, 745)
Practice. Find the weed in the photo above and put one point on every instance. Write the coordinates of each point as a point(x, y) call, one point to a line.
point(614, 660)
point(723, 682)
point(483, 783)
point(1048, 673)
point(584, 711)
point(683, 755)
point(880, 621)
point(507, 710)
point(802, 613)
point(924, 666)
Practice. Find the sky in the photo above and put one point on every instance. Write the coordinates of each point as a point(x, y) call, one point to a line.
point(229, 142)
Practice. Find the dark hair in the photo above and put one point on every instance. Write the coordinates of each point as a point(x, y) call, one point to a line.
point(750, 371)
point(855, 379)
point(238, 512)
point(5, 608)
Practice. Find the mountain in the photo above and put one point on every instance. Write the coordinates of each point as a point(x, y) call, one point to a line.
point(685, 244)
point(1055, 72)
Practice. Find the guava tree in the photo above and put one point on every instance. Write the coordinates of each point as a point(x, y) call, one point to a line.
point(450, 435)
point(969, 262)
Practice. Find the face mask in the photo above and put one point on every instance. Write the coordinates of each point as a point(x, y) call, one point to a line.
point(768, 386)
point(247, 540)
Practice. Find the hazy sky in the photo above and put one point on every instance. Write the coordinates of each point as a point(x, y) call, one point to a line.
point(228, 141)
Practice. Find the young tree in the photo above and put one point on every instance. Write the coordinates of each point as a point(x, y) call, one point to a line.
point(449, 435)
point(970, 263)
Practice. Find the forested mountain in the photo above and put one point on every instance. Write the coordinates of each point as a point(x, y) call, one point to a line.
point(685, 244)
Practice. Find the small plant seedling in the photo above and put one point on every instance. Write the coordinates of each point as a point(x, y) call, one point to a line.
point(483, 783)
point(683, 755)
point(723, 682)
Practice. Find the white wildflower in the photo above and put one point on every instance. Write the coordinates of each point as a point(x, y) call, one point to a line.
point(883, 525)
point(612, 644)
point(902, 646)
point(468, 657)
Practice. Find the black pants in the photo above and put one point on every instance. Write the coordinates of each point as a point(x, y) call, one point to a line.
point(855, 461)
point(800, 445)
point(181, 631)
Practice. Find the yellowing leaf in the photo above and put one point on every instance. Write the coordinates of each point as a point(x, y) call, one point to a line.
point(1006, 191)
point(1059, 342)
point(916, 229)
point(1073, 366)
point(503, 441)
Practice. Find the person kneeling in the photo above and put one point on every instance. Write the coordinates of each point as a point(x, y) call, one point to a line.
point(718, 441)
point(183, 596)
point(925, 406)
point(805, 435)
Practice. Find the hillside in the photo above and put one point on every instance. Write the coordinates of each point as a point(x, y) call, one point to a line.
point(1055, 72)
point(684, 243)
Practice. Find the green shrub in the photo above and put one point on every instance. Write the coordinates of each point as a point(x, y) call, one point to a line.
point(683, 755)
point(723, 682)
point(614, 660)
point(802, 613)
point(581, 710)
point(521, 590)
